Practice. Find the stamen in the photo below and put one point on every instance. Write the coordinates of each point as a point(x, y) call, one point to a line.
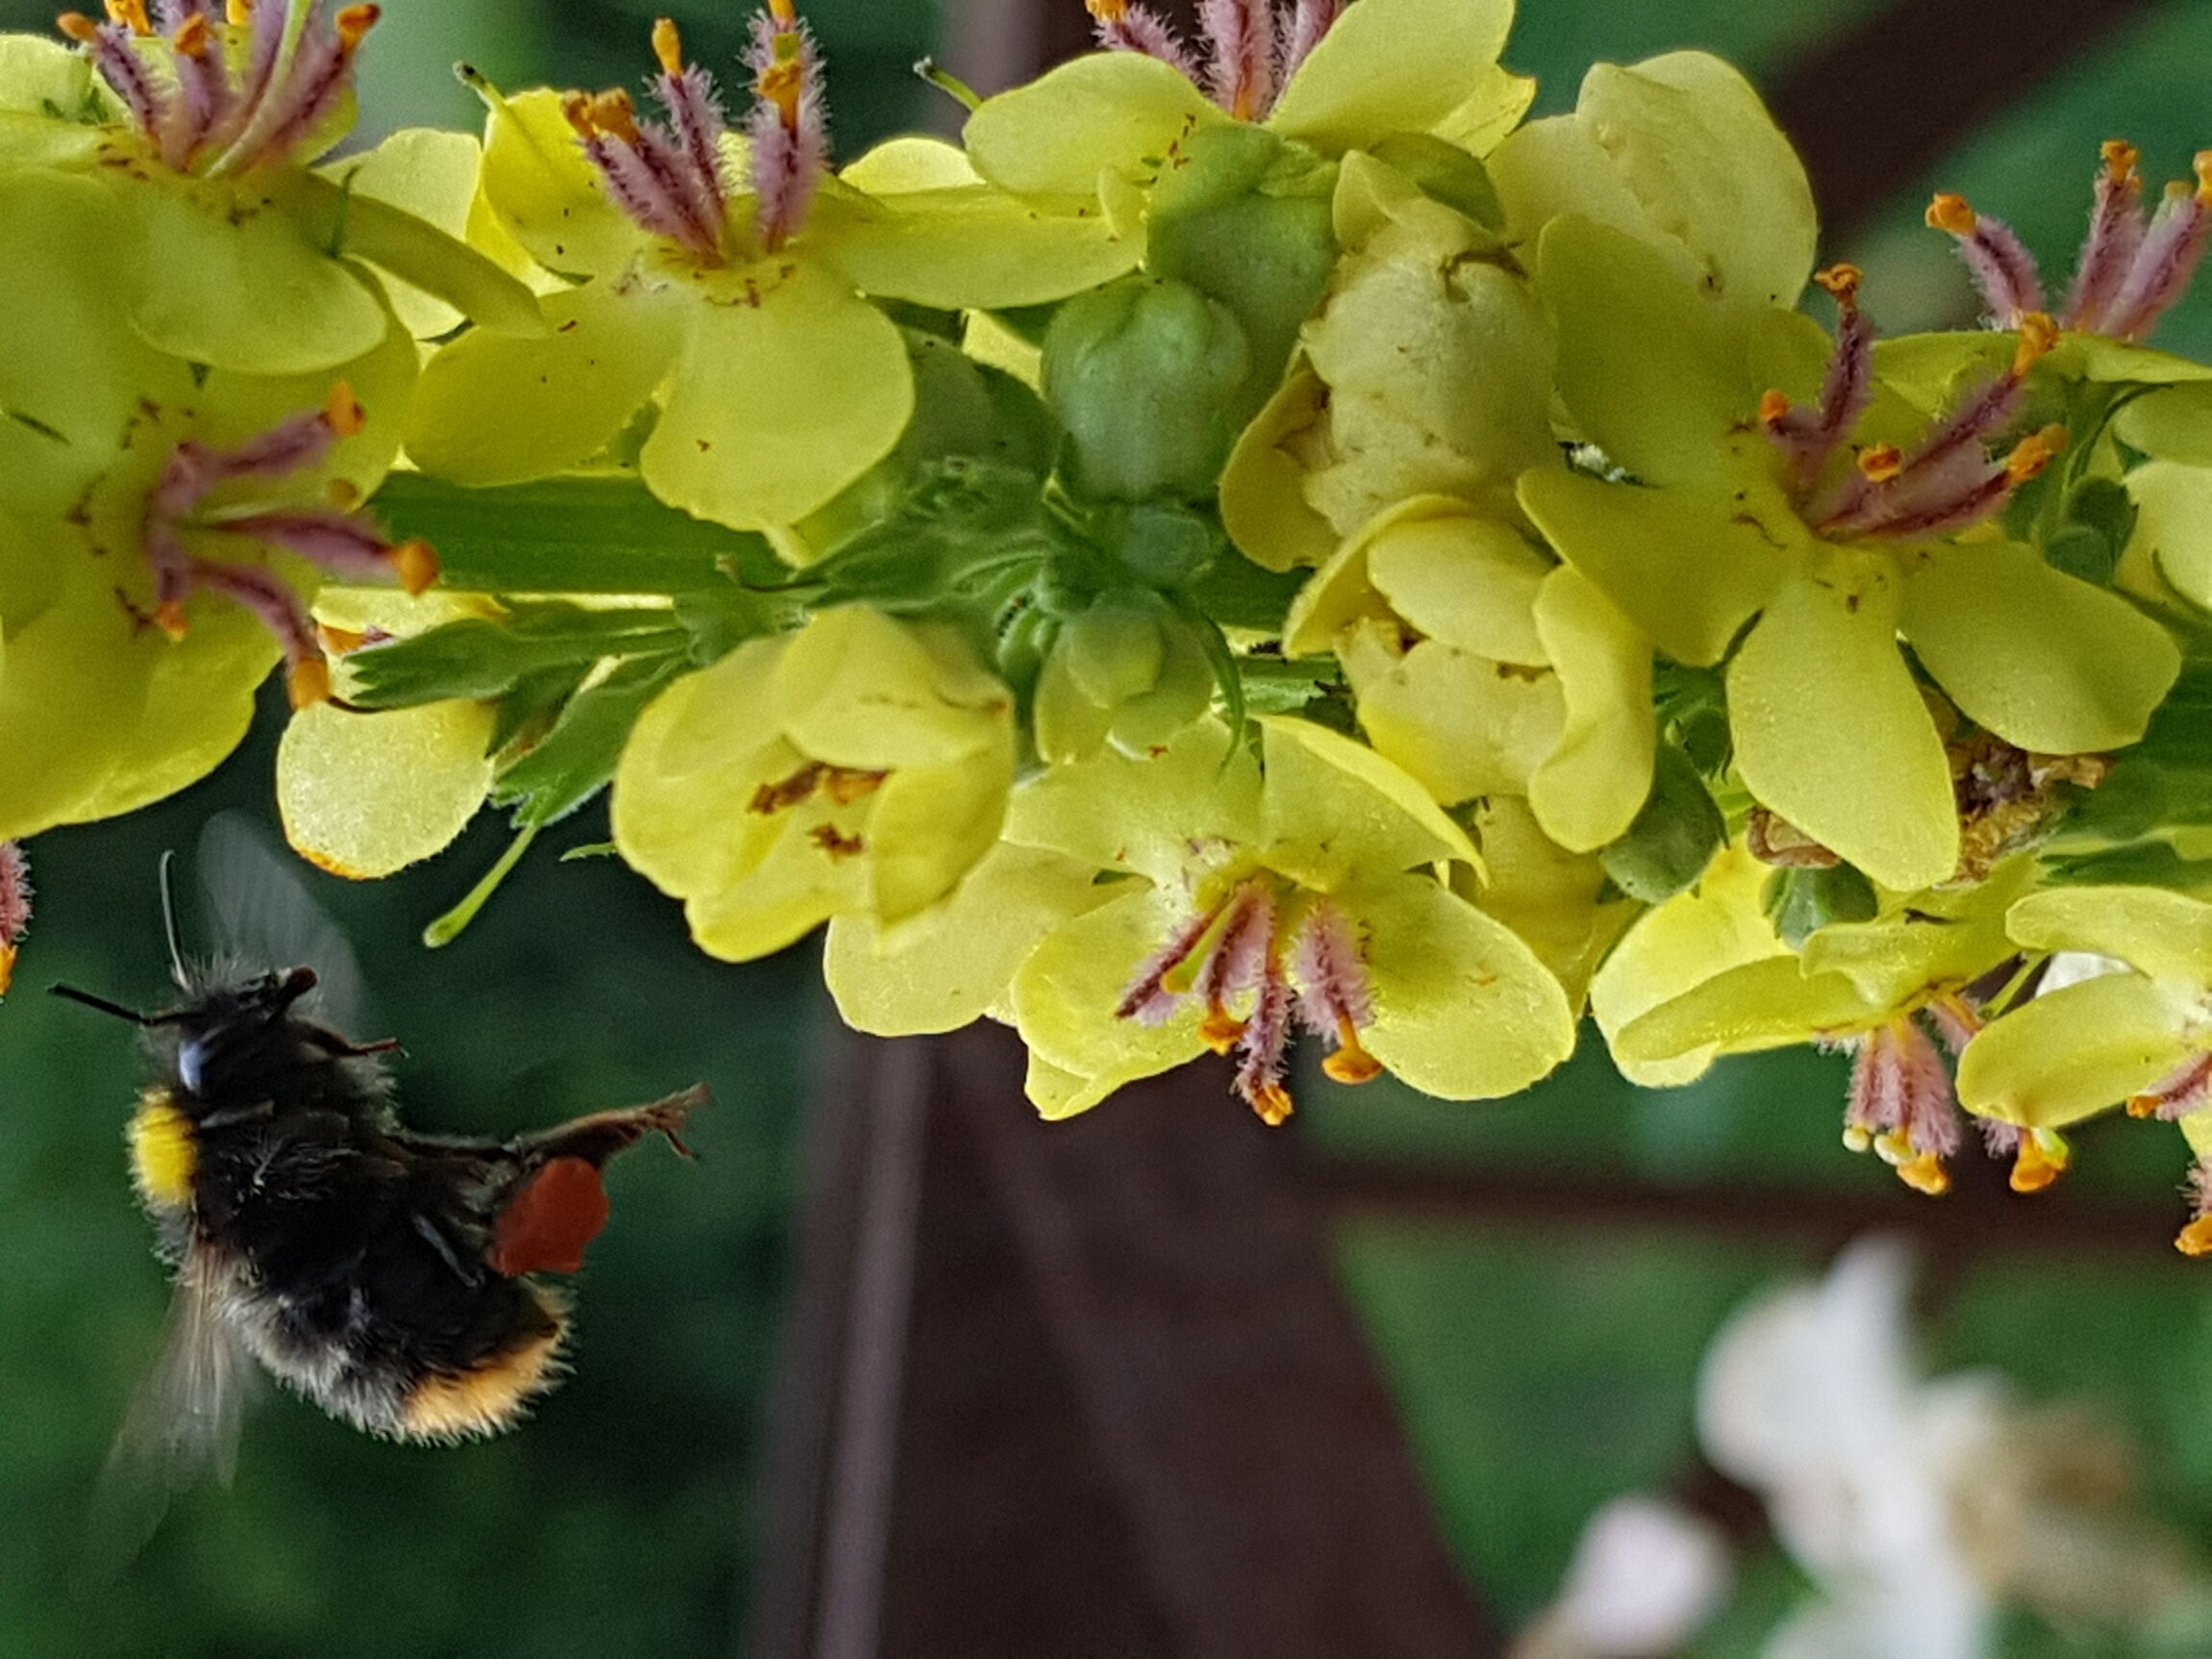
point(194, 35)
point(78, 27)
point(132, 15)
point(2184, 1092)
point(2167, 259)
point(1242, 35)
point(2038, 335)
point(1351, 1063)
point(1122, 27)
point(1774, 407)
point(787, 128)
point(1999, 261)
point(1221, 1030)
point(1811, 437)
point(2115, 234)
point(2196, 1239)
point(238, 13)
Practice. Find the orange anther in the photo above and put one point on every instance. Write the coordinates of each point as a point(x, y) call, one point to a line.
point(78, 27)
point(238, 12)
point(344, 411)
point(1840, 279)
point(309, 683)
point(1221, 1029)
point(2038, 334)
point(2196, 1239)
point(7, 966)
point(2120, 158)
point(1274, 1103)
point(194, 35)
point(355, 22)
point(1950, 212)
point(1926, 1174)
point(669, 45)
point(1882, 462)
point(417, 561)
point(169, 617)
point(785, 12)
point(2201, 165)
point(2035, 1166)
point(131, 13)
point(2033, 453)
point(783, 83)
point(1350, 1063)
point(1108, 11)
point(1774, 407)
point(614, 114)
point(2144, 1105)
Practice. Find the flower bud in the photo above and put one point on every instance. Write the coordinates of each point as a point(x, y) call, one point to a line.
point(1144, 375)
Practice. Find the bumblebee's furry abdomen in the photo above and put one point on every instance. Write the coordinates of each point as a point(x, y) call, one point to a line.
point(357, 1275)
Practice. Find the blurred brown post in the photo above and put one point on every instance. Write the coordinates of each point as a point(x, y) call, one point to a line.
point(1135, 1414)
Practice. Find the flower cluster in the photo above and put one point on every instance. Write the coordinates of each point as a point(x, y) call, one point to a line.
point(1258, 538)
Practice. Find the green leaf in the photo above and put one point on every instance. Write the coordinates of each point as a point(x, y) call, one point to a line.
point(1447, 173)
point(1673, 836)
point(576, 535)
point(2146, 864)
point(577, 757)
point(1801, 902)
point(479, 659)
point(1225, 664)
point(533, 703)
point(1238, 593)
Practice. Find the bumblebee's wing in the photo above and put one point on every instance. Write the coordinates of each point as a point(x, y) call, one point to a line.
point(267, 919)
point(182, 1422)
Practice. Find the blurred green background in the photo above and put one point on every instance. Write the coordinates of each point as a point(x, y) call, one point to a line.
point(1543, 1363)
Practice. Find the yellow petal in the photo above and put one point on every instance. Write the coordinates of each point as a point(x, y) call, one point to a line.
point(1108, 110)
point(1393, 66)
point(1589, 788)
point(2075, 1052)
point(1333, 806)
point(827, 391)
point(363, 795)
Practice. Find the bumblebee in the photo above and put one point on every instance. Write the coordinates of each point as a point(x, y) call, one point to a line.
point(389, 1277)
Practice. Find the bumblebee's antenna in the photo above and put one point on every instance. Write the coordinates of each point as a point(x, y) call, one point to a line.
point(169, 920)
point(104, 1005)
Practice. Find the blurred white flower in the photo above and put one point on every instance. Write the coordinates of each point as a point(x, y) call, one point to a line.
point(1646, 1577)
point(1917, 1507)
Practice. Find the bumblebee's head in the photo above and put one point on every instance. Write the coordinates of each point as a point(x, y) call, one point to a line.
point(234, 1033)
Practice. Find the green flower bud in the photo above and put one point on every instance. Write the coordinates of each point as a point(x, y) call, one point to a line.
point(1244, 217)
point(1145, 375)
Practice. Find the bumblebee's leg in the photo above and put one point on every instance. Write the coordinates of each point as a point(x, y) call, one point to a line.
point(601, 1135)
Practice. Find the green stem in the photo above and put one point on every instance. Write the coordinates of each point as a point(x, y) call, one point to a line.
point(448, 927)
point(946, 81)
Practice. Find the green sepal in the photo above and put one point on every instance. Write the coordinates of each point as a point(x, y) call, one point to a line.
point(481, 659)
point(573, 761)
point(961, 519)
point(604, 533)
point(1238, 593)
point(2146, 864)
point(418, 252)
point(1673, 838)
point(1801, 902)
point(2163, 780)
point(1227, 667)
point(1446, 174)
point(1274, 686)
point(529, 709)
